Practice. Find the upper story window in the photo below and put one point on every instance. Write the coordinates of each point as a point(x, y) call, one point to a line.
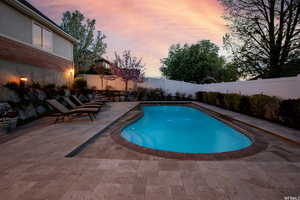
point(37, 35)
point(42, 37)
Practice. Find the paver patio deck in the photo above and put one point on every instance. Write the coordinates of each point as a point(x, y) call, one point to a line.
point(282, 131)
point(33, 167)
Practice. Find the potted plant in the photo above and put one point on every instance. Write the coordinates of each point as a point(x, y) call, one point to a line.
point(8, 118)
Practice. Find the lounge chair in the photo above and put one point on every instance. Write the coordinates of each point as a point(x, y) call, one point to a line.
point(96, 100)
point(63, 111)
point(86, 104)
point(68, 100)
point(101, 98)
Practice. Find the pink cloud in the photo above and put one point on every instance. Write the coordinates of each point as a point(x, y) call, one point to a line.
point(146, 27)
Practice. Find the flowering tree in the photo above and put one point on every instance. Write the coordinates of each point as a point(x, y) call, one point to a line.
point(128, 68)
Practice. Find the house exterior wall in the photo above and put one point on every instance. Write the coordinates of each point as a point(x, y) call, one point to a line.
point(62, 47)
point(18, 57)
point(14, 24)
point(19, 52)
point(12, 71)
point(18, 26)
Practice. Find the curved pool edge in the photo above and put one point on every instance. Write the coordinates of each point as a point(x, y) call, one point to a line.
point(257, 145)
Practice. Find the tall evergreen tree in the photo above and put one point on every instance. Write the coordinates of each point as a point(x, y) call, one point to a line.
point(90, 44)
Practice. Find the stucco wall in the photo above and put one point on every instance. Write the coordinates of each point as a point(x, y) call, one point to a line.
point(22, 53)
point(14, 24)
point(11, 71)
point(284, 88)
point(62, 47)
point(19, 27)
point(106, 83)
point(18, 57)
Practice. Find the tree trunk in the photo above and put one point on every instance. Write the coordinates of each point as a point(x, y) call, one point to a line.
point(274, 64)
point(126, 90)
point(102, 84)
point(274, 51)
point(126, 86)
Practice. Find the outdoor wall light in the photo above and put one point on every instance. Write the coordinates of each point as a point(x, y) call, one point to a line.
point(70, 76)
point(71, 72)
point(23, 81)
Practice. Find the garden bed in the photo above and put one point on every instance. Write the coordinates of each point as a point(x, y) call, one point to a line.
point(286, 112)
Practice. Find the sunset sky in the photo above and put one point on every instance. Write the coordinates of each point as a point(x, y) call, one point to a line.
point(146, 27)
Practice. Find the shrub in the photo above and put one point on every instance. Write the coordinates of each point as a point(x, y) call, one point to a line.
point(205, 97)
point(190, 97)
point(12, 85)
point(211, 98)
point(264, 106)
point(272, 109)
point(79, 83)
point(199, 96)
point(169, 97)
point(244, 106)
point(289, 112)
point(151, 95)
point(50, 90)
point(4, 109)
point(232, 101)
point(177, 96)
point(36, 85)
point(182, 96)
point(220, 100)
point(61, 92)
point(160, 94)
point(259, 105)
point(141, 93)
point(50, 86)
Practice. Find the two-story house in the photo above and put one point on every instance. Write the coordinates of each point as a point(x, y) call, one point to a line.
point(32, 46)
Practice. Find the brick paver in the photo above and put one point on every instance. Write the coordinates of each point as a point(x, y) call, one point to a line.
point(33, 167)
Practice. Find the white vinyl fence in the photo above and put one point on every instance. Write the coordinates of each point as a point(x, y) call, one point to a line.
point(284, 88)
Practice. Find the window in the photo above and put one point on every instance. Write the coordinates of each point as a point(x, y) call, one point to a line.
point(42, 37)
point(47, 40)
point(37, 35)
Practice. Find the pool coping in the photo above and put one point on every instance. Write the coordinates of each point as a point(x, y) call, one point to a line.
point(257, 146)
point(284, 137)
point(98, 133)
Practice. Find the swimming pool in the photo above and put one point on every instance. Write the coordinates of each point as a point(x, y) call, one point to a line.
point(183, 129)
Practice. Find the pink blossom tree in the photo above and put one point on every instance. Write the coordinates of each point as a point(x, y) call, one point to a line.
point(128, 67)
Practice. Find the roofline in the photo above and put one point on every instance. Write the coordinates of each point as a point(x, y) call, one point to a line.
point(18, 5)
point(104, 60)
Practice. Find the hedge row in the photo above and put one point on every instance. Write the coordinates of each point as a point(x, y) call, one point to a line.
point(274, 109)
point(150, 94)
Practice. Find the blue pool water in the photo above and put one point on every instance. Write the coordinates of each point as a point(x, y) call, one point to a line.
point(183, 129)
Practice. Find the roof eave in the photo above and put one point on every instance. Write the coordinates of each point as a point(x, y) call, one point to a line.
point(41, 19)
